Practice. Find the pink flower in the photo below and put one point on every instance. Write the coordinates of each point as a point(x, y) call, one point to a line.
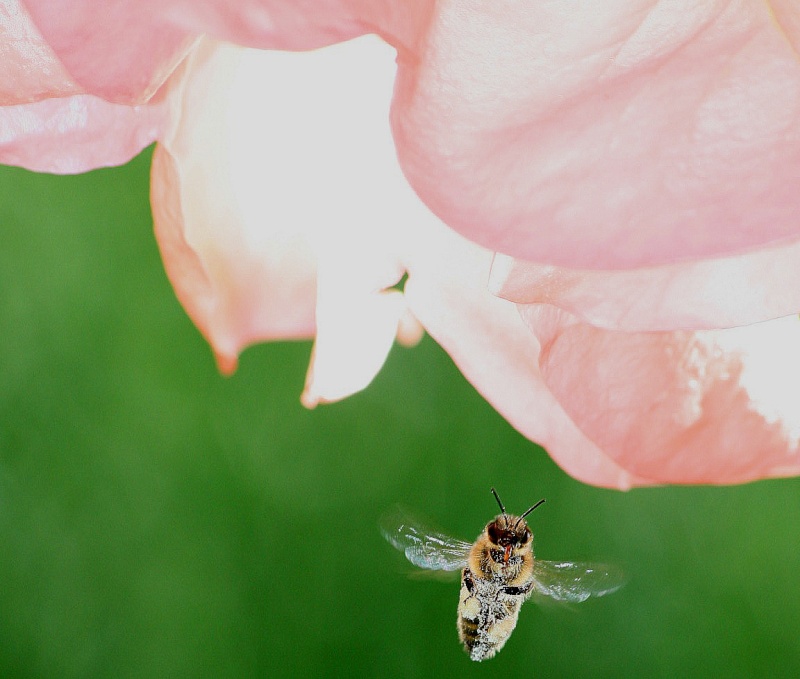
point(607, 237)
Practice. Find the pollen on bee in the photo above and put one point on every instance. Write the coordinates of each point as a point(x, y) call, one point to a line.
point(471, 607)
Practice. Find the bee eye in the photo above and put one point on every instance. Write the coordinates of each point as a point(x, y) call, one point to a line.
point(525, 537)
point(494, 533)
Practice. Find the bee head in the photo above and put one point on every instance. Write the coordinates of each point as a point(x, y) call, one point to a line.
point(509, 532)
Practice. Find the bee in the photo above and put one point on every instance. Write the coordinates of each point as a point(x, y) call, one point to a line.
point(498, 574)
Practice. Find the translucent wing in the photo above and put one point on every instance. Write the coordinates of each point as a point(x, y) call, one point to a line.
point(424, 546)
point(575, 582)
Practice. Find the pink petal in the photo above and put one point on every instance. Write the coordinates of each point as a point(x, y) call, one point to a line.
point(235, 295)
point(241, 277)
point(75, 134)
point(271, 196)
point(636, 134)
point(31, 70)
point(707, 294)
point(47, 123)
point(640, 134)
point(351, 346)
point(706, 407)
point(119, 51)
point(608, 135)
point(124, 50)
point(497, 353)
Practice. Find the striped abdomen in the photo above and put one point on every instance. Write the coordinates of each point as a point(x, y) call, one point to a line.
point(486, 615)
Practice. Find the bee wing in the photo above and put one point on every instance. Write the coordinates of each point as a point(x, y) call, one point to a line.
point(575, 582)
point(422, 545)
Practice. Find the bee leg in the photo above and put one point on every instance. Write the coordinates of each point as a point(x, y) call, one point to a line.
point(516, 591)
point(469, 607)
point(468, 581)
point(468, 584)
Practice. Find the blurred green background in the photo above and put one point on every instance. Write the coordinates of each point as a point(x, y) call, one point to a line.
point(158, 520)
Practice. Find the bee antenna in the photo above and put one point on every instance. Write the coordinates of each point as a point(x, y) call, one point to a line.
point(500, 502)
point(528, 512)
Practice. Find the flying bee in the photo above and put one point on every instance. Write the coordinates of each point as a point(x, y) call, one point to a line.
point(498, 574)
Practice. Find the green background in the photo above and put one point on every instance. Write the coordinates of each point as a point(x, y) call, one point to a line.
point(159, 520)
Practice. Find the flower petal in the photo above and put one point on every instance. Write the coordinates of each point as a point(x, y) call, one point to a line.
point(31, 70)
point(708, 294)
point(119, 51)
point(75, 134)
point(242, 273)
point(641, 134)
point(621, 134)
point(134, 45)
point(275, 197)
point(48, 123)
point(490, 343)
point(637, 134)
point(679, 407)
point(353, 338)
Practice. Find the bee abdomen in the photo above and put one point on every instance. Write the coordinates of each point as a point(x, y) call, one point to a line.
point(470, 639)
point(475, 640)
point(484, 628)
point(468, 630)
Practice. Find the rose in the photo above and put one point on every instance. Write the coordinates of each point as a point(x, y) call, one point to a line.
point(633, 163)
